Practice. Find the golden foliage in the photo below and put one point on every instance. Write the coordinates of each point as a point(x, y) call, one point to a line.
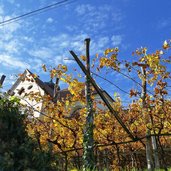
point(65, 129)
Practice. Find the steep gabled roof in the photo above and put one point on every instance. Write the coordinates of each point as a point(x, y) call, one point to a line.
point(48, 90)
point(62, 94)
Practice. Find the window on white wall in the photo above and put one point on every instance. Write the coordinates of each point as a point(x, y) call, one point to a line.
point(21, 91)
point(30, 87)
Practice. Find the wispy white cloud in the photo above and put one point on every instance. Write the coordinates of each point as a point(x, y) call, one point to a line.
point(13, 62)
point(36, 64)
point(12, 27)
point(27, 39)
point(116, 40)
point(95, 18)
point(103, 41)
point(13, 46)
point(11, 1)
point(84, 9)
point(1, 10)
point(53, 49)
point(61, 44)
point(1, 73)
point(163, 23)
point(10, 44)
point(42, 52)
point(49, 20)
point(98, 45)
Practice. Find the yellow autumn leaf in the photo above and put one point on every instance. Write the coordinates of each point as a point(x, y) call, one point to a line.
point(83, 57)
point(165, 45)
point(63, 79)
point(44, 67)
point(64, 67)
point(67, 102)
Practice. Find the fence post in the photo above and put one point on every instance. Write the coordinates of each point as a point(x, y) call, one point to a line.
point(149, 157)
point(88, 140)
point(2, 80)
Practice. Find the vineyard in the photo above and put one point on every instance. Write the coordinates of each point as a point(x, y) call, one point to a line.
point(122, 138)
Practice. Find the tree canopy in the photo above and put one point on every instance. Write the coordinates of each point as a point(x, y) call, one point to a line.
point(18, 151)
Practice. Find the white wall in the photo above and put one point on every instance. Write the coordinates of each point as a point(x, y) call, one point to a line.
point(25, 99)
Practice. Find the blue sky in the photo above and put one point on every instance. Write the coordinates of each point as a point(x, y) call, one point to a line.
point(46, 38)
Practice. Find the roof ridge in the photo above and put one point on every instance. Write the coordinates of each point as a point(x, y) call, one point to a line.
point(45, 87)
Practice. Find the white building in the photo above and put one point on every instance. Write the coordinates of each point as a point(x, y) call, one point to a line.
point(28, 83)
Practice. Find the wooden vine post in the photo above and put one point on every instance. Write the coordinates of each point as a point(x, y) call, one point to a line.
point(149, 153)
point(2, 80)
point(88, 140)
